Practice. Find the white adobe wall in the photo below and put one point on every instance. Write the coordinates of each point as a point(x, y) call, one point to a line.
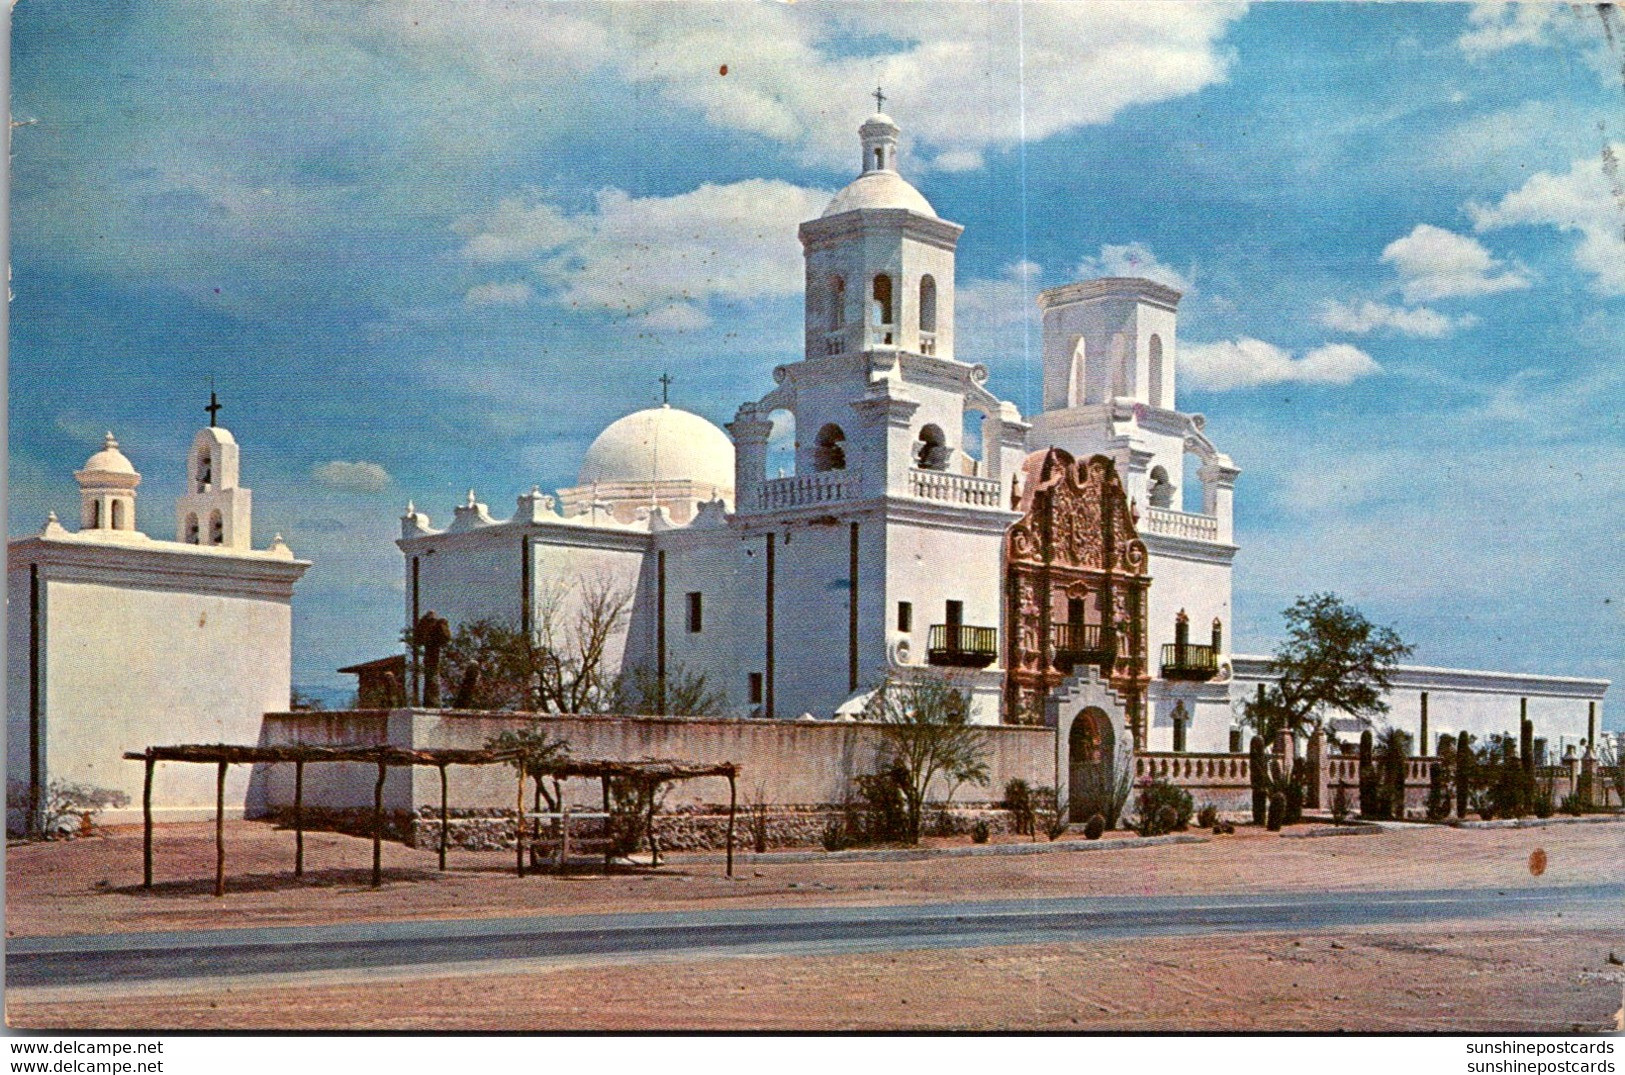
point(219, 665)
point(728, 570)
point(1478, 702)
point(17, 655)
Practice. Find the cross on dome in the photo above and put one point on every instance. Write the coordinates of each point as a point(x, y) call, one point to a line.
point(880, 100)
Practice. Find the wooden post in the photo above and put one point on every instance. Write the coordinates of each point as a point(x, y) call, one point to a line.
point(378, 827)
point(444, 824)
point(733, 798)
point(609, 847)
point(654, 842)
point(146, 825)
point(564, 835)
point(299, 819)
point(220, 829)
point(519, 824)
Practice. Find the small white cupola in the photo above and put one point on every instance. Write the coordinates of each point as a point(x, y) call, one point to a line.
point(215, 509)
point(879, 135)
point(107, 490)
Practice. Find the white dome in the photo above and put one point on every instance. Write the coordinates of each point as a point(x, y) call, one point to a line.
point(660, 444)
point(879, 190)
point(109, 460)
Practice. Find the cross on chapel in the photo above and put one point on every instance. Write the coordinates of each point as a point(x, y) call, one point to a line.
point(880, 100)
point(665, 388)
point(213, 408)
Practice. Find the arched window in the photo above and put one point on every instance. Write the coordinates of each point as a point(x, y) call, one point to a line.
point(830, 450)
point(883, 300)
point(217, 529)
point(191, 529)
point(931, 451)
point(1154, 396)
point(205, 471)
point(118, 515)
point(837, 304)
point(1161, 492)
point(95, 514)
point(928, 304)
point(1077, 385)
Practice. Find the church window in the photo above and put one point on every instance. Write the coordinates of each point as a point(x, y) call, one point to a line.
point(837, 304)
point(191, 529)
point(1161, 491)
point(931, 451)
point(1077, 386)
point(756, 688)
point(883, 300)
point(830, 452)
point(905, 616)
point(217, 529)
point(118, 515)
point(95, 514)
point(928, 304)
point(1180, 721)
point(696, 620)
point(1154, 397)
point(880, 157)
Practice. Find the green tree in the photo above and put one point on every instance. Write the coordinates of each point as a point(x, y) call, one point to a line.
point(540, 757)
point(1332, 660)
point(926, 731)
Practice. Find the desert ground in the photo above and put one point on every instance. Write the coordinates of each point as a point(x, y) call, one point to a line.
point(1478, 975)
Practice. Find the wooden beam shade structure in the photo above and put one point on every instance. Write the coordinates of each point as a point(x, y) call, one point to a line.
point(649, 773)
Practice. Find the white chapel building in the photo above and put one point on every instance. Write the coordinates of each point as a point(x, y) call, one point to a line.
point(117, 641)
point(1051, 558)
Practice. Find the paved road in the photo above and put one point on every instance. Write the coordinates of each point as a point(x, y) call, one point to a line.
point(134, 958)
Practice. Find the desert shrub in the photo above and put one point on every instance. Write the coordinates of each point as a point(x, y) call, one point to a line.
point(1162, 807)
point(66, 809)
point(1277, 811)
point(885, 815)
point(1053, 808)
point(1542, 805)
point(1573, 804)
point(1019, 800)
point(1438, 793)
point(1340, 803)
point(980, 832)
point(835, 837)
point(1259, 779)
point(630, 803)
point(1095, 827)
point(1208, 816)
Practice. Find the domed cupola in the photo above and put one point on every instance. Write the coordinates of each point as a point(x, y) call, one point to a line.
point(663, 456)
point(879, 186)
point(107, 490)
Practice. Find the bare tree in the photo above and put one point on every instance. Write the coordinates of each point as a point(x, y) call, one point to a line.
point(574, 627)
point(926, 730)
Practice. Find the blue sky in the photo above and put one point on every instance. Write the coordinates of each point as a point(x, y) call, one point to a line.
point(424, 247)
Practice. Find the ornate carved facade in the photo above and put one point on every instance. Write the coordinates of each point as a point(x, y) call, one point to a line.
point(1075, 585)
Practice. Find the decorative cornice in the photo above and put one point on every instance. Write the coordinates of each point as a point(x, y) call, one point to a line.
point(830, 230)
point(1128, 287)
point(166, 565)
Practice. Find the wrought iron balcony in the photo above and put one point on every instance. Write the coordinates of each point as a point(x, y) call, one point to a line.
point(1188, 661)
point(962, 646)
point(1077, 643)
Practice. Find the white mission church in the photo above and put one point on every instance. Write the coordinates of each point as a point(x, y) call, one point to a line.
point(1055, 566)
point(1053, 556)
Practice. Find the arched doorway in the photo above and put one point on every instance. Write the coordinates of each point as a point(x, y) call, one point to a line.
point(1091, 753)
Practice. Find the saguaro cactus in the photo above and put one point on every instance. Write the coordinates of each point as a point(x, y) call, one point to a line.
point(1368, 778)
point(1260, 779)
point(1464, 772)
point(1526, 759)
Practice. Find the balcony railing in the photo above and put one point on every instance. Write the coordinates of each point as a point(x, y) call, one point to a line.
point(959, 645)
point(1076, 643)
point(799, 490)
point(1181, 524)
point(954, 488)
point(1187, 661)
point(928, 343)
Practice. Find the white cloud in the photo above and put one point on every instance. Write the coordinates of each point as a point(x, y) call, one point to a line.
point(1588, 199)
point(357, 477)
point(1366, 317)
point(657, 258)
point(945, 67)
point(1132, 259)
point(1496, 27)
point(511, 294)
point(1437, 264)
point(1246, 362)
